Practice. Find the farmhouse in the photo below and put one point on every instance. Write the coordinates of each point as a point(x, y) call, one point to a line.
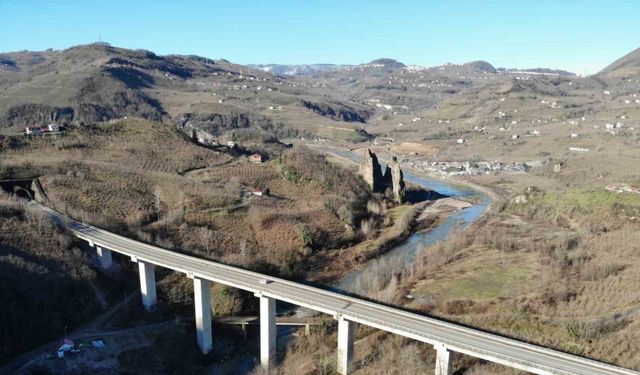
point(33, 130)
point(256, 158)
point(260, 192)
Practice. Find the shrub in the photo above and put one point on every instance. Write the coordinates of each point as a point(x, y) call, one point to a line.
point(601, 272)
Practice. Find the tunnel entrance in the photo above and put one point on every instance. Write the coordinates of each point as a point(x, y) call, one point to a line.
point(23, 188)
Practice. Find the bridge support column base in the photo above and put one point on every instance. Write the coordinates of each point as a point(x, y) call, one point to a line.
point(443, 360)
point(147, 284)
point(268, 332)
point(105, 257)
point(202, 299)
point(346, 336)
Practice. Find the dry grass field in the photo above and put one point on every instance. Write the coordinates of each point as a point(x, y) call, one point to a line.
point(559, 270)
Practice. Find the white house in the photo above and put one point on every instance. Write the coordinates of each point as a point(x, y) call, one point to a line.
point(579, 149)
point(53, 128)
point(260, 192)
point(33, 130)
point(67, 345)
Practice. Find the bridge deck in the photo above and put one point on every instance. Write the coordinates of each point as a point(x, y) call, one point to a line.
point(492, 347)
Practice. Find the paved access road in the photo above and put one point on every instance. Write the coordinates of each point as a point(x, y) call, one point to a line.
point(476, 343)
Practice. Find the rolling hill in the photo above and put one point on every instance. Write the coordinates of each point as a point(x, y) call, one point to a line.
point(97, 83)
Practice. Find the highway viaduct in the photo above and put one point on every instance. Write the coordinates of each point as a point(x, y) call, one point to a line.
point(446, 338)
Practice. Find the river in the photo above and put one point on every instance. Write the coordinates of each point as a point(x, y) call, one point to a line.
point(404, 254)
point(391, 262)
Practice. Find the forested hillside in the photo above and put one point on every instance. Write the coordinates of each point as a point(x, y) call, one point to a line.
point(45, 280)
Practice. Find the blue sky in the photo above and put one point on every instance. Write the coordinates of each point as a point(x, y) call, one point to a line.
point(581, 36)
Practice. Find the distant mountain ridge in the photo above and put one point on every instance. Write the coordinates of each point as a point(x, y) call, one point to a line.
point(314, 69)
point(481, 65)
point(296, 70)
point(97, 83)
point(557, 72)
point(311, 69)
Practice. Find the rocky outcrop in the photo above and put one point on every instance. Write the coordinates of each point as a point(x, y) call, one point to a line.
point(218, 124)
point(393, 179)
point(215, 129)
point(370, 171)
point(337, 111)
point(397, 181)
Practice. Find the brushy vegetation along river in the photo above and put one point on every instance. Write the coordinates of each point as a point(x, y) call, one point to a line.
point(398, 258)
point(402, 256)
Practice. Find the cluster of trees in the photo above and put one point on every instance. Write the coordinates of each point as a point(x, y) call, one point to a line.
point(347, 195)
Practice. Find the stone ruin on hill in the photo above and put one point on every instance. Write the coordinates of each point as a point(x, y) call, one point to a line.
point(392, 178)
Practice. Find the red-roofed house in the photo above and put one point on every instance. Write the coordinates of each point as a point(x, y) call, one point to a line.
point(255, 158)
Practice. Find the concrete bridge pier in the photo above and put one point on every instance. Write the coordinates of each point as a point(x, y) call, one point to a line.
point(346, 337)
point(147, 284)
point(202, 299)
point(105, 257)
point(443, 360)
point(268, 332)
